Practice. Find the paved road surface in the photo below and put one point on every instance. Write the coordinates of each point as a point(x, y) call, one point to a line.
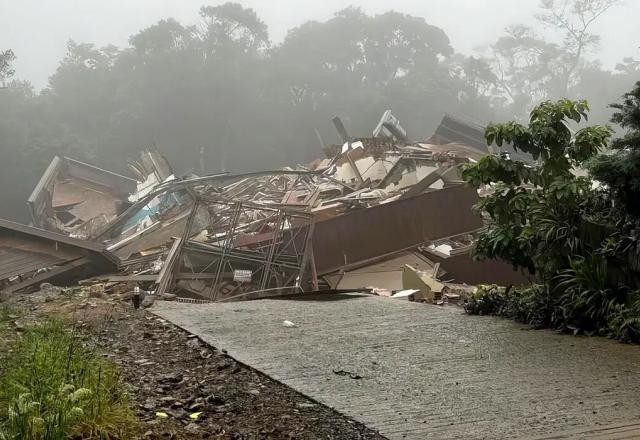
point(429, 372)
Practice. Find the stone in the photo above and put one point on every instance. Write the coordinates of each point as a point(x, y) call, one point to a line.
point(215, 400)
point(96, 291)
point(170, 378)
point(193, 343)
point(168, 297)
point(192, 427)
point(148, 301)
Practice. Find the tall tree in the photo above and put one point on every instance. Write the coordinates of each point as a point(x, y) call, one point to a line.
point(531, 68)
point(7, 57)
point(230, 28)
point(620, 171)
point(574, 18)
point(357, 65)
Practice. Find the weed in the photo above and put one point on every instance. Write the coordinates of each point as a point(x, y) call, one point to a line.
point(7, 313)
point(54, 387)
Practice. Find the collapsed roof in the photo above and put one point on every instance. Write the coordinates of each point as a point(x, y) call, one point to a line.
point(370, 201)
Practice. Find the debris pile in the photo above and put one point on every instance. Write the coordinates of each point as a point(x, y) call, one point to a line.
point(380, 213)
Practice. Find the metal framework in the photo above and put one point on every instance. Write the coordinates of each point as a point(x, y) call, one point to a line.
point(272, 244)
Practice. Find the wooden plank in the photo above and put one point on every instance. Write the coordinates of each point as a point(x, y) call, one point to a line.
point(124, 278)
point(44, 276)
point(166, 273)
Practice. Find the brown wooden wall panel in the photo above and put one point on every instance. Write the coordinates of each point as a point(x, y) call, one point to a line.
point(18, 261)
point(463, 269)
point(24, 249)
point(394, 226)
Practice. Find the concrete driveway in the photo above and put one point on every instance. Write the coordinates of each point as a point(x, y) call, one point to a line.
point(426, 372)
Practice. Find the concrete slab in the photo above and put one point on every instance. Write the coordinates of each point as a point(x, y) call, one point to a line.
point(426, 371)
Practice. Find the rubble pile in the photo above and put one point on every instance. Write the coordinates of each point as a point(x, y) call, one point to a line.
point(380, 213)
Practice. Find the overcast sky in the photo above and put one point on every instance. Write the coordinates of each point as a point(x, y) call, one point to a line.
point(37, 30)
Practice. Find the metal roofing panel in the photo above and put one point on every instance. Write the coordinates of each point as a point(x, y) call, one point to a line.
point(7, 225)
point(14, 261)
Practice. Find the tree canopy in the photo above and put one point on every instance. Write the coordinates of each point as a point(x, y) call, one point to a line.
point(220, 90)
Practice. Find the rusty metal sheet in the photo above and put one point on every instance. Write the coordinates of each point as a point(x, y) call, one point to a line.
point(393, 226)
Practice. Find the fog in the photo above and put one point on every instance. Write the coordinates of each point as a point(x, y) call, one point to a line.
point(249, 83)
point(470, 24)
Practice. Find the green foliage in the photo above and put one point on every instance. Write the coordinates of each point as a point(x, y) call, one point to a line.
point(53, 386)
point(219, 85)
point(534, 211)
point(6, 312)
point(534, 305)
point(543, 218)
point(184, 87)
point(528, 305)
point(620, 171)
point(533, 67)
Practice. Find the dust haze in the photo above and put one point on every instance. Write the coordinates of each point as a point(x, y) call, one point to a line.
point(254, 85)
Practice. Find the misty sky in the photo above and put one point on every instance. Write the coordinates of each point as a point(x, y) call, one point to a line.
point(37, 30)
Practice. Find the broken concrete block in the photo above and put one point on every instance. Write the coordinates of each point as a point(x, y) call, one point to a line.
point(422, 281)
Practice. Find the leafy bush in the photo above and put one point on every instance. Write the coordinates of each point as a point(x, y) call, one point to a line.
point(535, 306)
point(55, 387)
point(529, 305)
point(580, 240)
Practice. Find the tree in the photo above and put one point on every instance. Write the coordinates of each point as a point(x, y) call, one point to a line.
point(534, 211)
point(526, 67)
point(230, 28)
point(574, 18)
point(7, 57)
point(620, 172)
point(545, 219)
point(530, 68)
point(357, 65)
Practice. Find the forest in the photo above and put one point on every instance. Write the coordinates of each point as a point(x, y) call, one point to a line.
point(218, 95)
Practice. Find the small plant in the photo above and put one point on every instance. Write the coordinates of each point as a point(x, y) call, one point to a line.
point(7, 313)
point(54, 387)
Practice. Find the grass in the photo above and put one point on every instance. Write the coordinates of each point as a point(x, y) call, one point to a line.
point(54, 386)
point(6, 313)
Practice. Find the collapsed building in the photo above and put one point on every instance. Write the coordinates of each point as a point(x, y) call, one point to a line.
point(380, 213)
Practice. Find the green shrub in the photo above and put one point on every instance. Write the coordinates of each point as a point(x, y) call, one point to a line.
point(54, 386)
point(573, 310)
point(580, 240)
point(528, 305)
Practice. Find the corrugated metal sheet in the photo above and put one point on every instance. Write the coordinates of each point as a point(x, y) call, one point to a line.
point(15, 261)
point(9, 226)
point(464, 132)
point(25, 249)
point(454, 129)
